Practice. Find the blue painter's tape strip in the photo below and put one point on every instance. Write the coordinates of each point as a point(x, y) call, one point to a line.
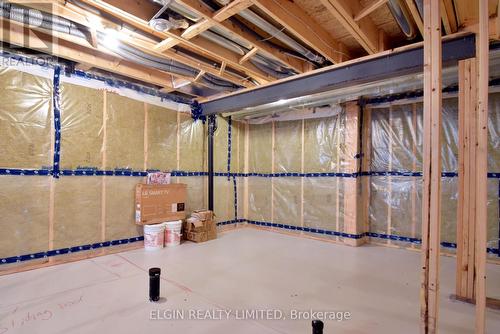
point(128, 172)
point(30, 172)
point(231, 222)
point(75, 249)
point(498, 249)
point(57, 121)
point(235, 197)
point(357, 236)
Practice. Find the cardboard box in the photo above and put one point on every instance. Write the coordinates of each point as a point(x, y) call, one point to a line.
point(155, 203)
point(203, 215)
point(194, 225)
point(197, 236)
point(200, 227)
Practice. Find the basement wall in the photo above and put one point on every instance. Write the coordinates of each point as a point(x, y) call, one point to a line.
point(109, 137)
point(296, 173)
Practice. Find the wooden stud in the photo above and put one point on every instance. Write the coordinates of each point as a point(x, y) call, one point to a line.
point(246, 169)
point(482, 53)
point(466, 211)
point(414, 168)
point(431, 194)
point(353, 224)
point(146, 139)
point(366, 166)
point(302, 170)
point(104, 164)
point(337, 179)
point(178, 146)
point(389, 186)
point(273, 157)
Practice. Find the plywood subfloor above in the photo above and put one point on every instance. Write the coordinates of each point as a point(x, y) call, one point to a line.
point(382, 18)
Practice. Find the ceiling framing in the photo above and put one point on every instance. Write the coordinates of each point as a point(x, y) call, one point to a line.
point(336, 30)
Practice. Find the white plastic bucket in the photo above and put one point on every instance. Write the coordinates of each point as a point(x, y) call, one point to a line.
point(154, 236)
point(173, 233)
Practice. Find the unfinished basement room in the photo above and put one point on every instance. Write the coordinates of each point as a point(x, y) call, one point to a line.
point(250, 166)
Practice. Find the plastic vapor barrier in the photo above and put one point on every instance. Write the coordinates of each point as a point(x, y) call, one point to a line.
point(25, 120)
point(281, 151)
point(107, 138)
point(300, 171)
point(397, 143)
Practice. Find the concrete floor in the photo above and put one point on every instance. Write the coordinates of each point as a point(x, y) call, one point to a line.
point(244, 269)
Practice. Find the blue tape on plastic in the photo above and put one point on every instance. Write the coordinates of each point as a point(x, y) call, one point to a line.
point(57, 121)
point(229, 130)
point(498, 249)
point(127, 172)
point(231, 222)
point(197, 112)
point(30, 172)
point(62, 251)
point(235, 197)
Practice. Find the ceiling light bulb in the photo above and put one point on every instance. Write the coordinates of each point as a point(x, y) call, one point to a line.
point(111, 39)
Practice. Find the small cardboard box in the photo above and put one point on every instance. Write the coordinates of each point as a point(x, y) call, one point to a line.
point(197, 236)
point(201, 226)
point(203, 215)
point(155, 203)
point(194, 225)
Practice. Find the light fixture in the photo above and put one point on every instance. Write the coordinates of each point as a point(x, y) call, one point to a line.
point(111, 39)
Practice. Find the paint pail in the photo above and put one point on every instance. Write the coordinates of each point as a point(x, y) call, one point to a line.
point(154, 236)
point(173, 233)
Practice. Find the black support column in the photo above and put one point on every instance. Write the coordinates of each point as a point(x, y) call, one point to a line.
point(212, 126)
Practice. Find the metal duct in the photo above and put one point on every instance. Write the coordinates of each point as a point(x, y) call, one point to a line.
point(54, 23)
point(250, 16)
point(400, 13)
point(40, 19)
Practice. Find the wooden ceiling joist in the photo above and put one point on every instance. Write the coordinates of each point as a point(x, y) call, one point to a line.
point(77, 14)
point(208, 49)
point(206, 23)
point(295, 20)
point(364, 30)
point(219, 19)
point(415, 15)
point(448, 16)
point(13, 33)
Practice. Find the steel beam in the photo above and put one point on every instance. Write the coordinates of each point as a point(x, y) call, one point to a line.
point(390, 65)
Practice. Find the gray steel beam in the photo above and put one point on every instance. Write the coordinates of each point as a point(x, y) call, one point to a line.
point(383, 67)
